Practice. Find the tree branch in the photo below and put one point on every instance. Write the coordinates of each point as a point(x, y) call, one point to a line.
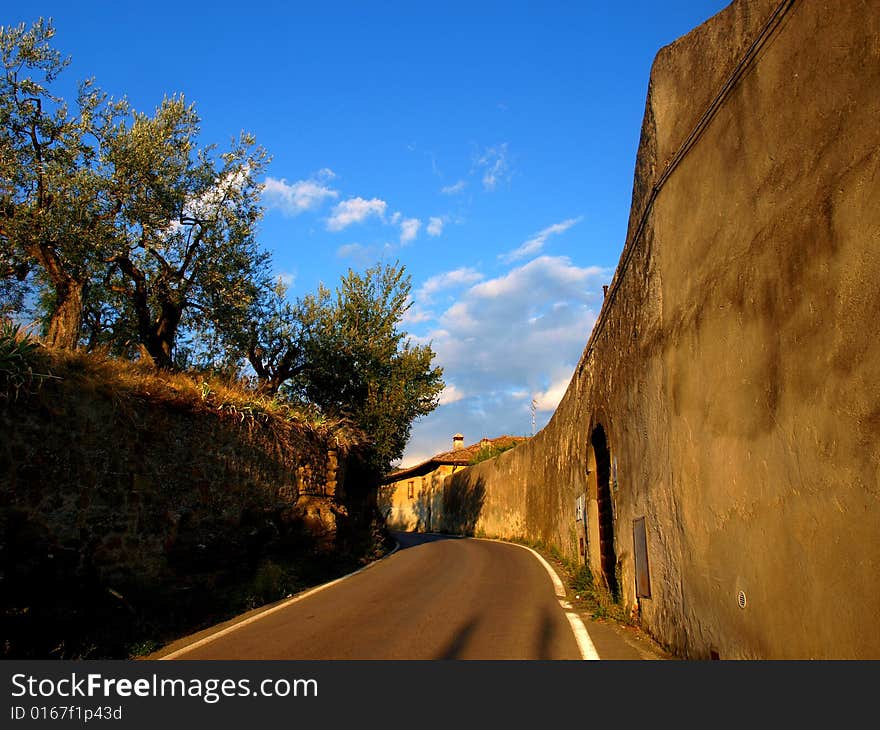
point(191, 251)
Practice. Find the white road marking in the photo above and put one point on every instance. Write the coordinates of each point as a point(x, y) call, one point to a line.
point(581, 635)
point(268, 611)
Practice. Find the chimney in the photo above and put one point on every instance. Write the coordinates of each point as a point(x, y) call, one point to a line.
point(457, 442)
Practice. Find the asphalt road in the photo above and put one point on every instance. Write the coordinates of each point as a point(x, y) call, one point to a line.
point(435, 598)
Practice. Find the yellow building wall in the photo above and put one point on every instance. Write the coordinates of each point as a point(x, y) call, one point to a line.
point(416, 510)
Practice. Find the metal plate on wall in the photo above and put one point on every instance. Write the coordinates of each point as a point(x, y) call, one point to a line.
point(640, 550)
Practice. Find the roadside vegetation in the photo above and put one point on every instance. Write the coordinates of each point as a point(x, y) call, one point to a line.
point(118, 617)
point(587, 592)
point(25, 364)
point(124, 236)
point(492, 450)
point(584, 591)
point(131, 266)
point(19, 355)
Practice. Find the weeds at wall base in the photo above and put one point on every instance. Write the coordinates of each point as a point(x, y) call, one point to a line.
point(584, 591)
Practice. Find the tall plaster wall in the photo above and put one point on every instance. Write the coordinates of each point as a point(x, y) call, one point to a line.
point(736, 361)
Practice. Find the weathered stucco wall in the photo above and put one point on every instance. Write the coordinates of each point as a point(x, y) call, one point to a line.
point(735, 365)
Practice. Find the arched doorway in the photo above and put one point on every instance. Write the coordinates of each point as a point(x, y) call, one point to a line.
point(605, 520)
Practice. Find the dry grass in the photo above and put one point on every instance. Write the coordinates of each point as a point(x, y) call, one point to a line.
point(125, 382)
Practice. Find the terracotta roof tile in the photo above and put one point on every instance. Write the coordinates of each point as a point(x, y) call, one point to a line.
point(465, 454)
point(456, 457)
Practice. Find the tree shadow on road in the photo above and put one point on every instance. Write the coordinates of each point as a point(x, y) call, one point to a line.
point(455, 648)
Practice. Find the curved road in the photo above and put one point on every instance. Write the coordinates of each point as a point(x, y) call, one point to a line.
point(435, 598)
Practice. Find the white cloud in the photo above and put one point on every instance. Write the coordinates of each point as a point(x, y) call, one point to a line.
point(494, 165)
point(217, 195)
point(503, 342)
point(454, 188)
point(295, 198)
point(450, 394)
point(222, 192)
point(539, 280)
point(354, 210)
point(350, 250)
point(395, 218)
point(536, 243)
point(288, 278)
point(409, 229)
point(548, 399)
point(459, 277)
point(413, 458)
point(435, 226)
point(417, 315)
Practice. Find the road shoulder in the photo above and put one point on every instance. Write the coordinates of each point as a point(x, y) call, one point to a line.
point(613, 639)
point(180, 646)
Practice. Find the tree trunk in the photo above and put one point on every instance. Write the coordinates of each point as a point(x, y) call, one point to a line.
point(65, 322)
point(266, 387)
point(159, 351)
point(159, 342)
point(270, 378)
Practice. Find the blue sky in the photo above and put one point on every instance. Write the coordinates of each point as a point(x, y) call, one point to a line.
point(489, 147)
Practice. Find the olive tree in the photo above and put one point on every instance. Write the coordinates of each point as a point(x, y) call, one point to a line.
point(360, 363)
point(126, 224)
point(184, 249)
point(55, 213)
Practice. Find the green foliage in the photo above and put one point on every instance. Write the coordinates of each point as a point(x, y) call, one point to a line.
point(273, 339)
point(18, 352)
point(595, 596)
point(581, 578)
point(51, 212)
point(143, 648)
point(15, 354)
point(270, 583)
point(133, 230)
point(185, 253)
point(141, 243)
point(360, 363)
point(15, 284)
point(490, 451)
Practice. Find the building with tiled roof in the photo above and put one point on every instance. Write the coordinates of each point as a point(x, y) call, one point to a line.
point(412, 498)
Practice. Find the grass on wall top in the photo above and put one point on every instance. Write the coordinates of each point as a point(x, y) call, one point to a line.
point(27, 367)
